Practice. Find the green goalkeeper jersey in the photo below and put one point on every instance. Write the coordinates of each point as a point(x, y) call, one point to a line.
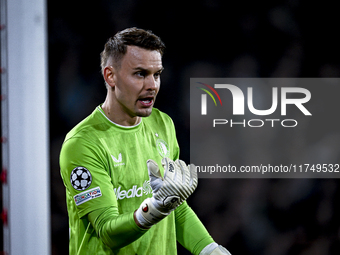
point(103, 165)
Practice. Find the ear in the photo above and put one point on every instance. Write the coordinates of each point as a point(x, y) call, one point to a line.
point(109, 75)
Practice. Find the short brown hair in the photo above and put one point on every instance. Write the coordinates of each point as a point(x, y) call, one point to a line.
point(116, 46)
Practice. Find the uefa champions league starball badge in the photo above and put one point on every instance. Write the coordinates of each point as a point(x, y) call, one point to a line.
point(81, 178)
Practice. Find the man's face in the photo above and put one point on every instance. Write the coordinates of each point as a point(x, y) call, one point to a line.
point(137, 81)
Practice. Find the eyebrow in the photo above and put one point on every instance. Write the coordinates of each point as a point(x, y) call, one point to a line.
point(147, 70)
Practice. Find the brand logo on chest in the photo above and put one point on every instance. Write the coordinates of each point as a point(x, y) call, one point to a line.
point(118, 161)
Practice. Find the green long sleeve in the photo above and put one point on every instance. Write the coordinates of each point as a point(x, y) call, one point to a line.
point(190, 232)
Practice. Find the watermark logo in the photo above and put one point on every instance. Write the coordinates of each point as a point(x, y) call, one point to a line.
point(204, 97)
point(239, 99)
point(281, 100)
point(264, 127)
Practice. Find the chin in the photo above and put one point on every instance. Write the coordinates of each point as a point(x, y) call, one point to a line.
point(144, 113)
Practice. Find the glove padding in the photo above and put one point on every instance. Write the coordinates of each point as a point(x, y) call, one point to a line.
point(214, 249)
point(178, 184)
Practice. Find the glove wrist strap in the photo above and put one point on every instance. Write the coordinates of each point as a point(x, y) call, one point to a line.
point(147, 214)
point(214, 249)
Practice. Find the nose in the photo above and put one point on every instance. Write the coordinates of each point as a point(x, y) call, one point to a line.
point(150, 83)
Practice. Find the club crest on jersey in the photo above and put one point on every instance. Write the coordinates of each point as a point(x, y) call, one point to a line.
point(163, 148)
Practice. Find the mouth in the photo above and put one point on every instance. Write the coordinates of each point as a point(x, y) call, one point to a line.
point(146, 102)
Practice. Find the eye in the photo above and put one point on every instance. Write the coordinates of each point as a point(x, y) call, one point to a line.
point(140, 73)
point(157, 75)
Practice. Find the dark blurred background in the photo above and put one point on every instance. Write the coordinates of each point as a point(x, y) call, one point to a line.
point(206, 39)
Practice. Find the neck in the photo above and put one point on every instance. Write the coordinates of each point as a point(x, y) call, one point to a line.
point(113, 110)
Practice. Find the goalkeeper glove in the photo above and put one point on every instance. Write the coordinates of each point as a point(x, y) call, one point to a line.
point(214, 249)
point(178, 184)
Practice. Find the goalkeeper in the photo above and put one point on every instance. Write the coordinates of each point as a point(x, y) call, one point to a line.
point(126, 188)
